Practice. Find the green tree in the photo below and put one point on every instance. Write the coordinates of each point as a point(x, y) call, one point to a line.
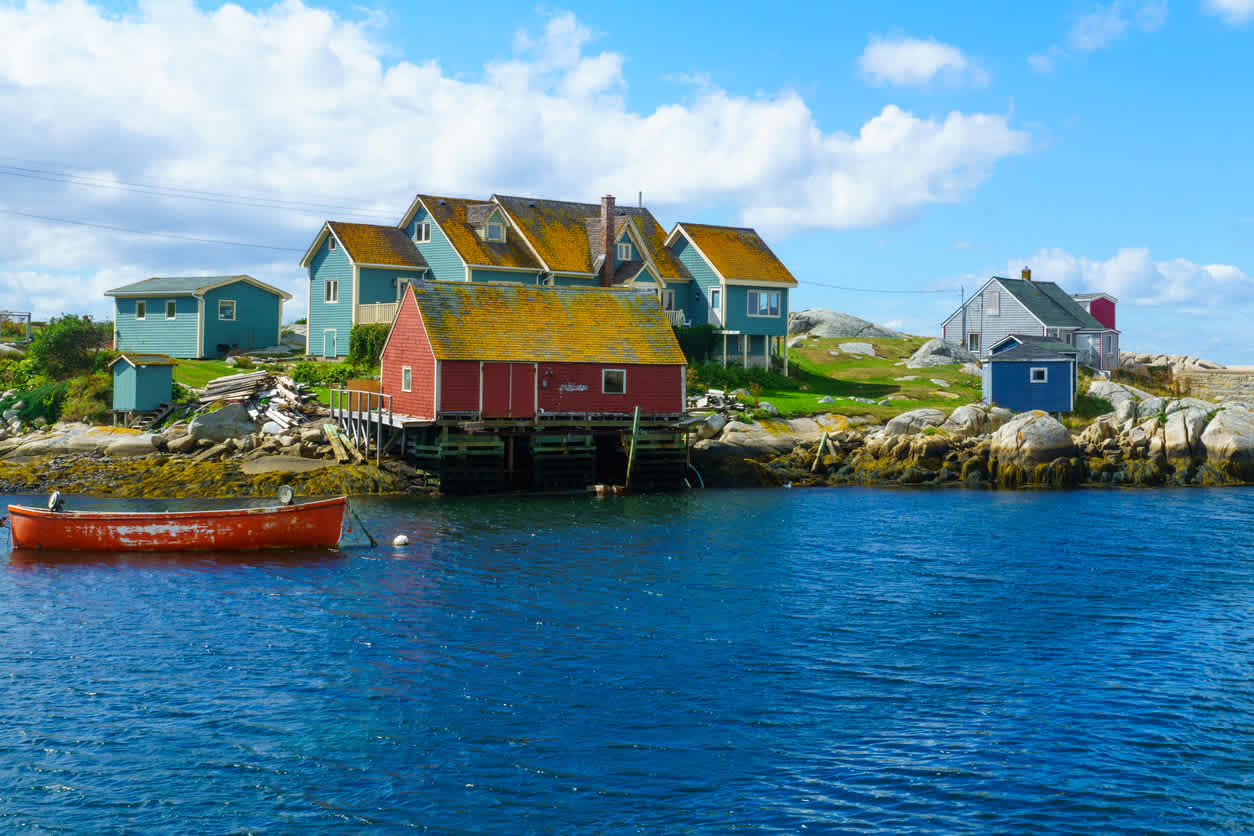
point(66, 347)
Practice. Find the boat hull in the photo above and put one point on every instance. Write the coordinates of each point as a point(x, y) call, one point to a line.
point(308, 525)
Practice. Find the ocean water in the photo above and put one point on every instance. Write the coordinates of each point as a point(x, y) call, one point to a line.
point(790, 661)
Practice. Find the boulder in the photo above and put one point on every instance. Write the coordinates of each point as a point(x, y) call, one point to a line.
point(231, 421)
point(1182, 432)
point(971, 420)
point(971, 369)
point(770, 436)
point(827, 399)
point(820, 322)
point(1031, 438)
point(131, 444)
point(858, 348)
point(937, 352)
point(914, 421)
point(272, 428)
point(182, 444)
point(769, 409)
point(1116, 392)
point(710, 427)
point(1229, 440)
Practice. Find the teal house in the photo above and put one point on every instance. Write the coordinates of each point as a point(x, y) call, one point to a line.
point(142, 382)
point(357, 275)
point(739, 286)
point(196, 316)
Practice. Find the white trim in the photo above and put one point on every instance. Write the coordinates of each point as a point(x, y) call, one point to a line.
point(425, 226)
point(231, 318)
point(604, 372)
point(352, 312)
point(137, 317)
point(168, 303)
point(418, 267)
point(679, 227)
point(407, 370)
point(1044, 370)
point(308, 311)
point(620, 246)
point(200, 326)
point(759, 283)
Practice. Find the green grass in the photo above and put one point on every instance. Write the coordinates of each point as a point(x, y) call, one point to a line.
point(816, 373)
point(196, 373)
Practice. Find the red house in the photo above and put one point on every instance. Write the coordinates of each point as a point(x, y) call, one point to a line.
point(510, 351)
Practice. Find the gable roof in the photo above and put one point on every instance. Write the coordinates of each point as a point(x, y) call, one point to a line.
point(460, 218)
point(1051, 343)
point(736, 253)
point(1050, 304)
point(188, 286)
point(143, 360)
point(375, 244)
point(1032, 352)
point(523, 323)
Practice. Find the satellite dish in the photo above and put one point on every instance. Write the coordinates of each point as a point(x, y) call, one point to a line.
point(54, 501)
point(286, 494)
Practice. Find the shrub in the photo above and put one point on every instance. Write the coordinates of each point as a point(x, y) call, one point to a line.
point(41, 402)
point(243, 361)
point(313, 373)
point(87, 398)
point(696, 341)
point(66, 347)
point(17, 373)
point(365, 344)
point(715, 376)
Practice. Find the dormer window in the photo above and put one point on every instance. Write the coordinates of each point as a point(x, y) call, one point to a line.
point(494, 231)
point(624, 251)
point(331, 243)
point(422, 232)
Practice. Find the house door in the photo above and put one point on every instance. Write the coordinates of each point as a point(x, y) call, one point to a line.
point(328, 344)
point(509, 390)
point(522, 390)
point(716, 307)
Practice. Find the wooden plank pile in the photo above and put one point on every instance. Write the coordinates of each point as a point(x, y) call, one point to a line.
point(266, 396)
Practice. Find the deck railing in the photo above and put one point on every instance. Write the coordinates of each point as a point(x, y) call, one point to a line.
point(376, 313)
point(676, 318)
point(362, 415)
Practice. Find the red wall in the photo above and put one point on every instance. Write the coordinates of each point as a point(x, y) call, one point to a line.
point(656, 389)
point(408, 346)
point(1103, 310)
point(459, 386)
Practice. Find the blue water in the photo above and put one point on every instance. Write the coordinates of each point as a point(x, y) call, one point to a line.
point(769, 661)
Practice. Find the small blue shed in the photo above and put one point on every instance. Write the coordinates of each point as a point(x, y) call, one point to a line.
point(197, 316)
point(1027, 376)
point(142, 382)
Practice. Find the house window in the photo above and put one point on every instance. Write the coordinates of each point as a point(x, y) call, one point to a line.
point(141, 310)
point(973, 342)
point(332, 289)
point(624, 251)
point(667, 298)
point(716, 302)
point(402, 285)
point(763, 303)
point(226, 309)
point(331, 243)
point(494, 231)
point(1110, 343)
point(992, 303)
point(613, 381)
point(422, 232)
point(170, 309)
point(407, 379)
point(1039, 374)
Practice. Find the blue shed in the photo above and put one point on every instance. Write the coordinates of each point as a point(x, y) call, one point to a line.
point(197, 316)
point(142, 382)
point(1027, 376)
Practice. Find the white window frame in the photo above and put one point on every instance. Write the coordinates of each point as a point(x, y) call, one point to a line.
point(230, 318)
point(755, 303)
point(488, 231)
point(1109, 342)
point(667, 298)
point(716, 302)
point(171, 309)
point(992, 303)
point(402, 285)
point(141, 309)
point(331, 243)
point(407, 378)
point(623, 251)
point(605, 373)
point(422, 232)
point(331, 291)
point(1042, 370)
point(973, 341)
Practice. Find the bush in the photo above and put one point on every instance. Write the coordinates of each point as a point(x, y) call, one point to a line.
point(41, 402)
point(66, 347)
point(87, 398)
point(365, 344)
point(696, 341)
point(313, 373)
point(18, 373)
point(715, 376)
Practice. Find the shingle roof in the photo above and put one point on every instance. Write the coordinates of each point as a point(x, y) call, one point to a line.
point(1032, 351)
point(738, 253)
point(522, 323)
point(374, 244)
point(1050, 304)
point(454, 215)
point(1045, 342)
point(145, 359)
point(185, 286)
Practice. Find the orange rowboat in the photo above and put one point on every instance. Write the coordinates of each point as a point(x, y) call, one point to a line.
point(308, 525)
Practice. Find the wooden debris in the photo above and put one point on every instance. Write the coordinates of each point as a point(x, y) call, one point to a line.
point(266, 396)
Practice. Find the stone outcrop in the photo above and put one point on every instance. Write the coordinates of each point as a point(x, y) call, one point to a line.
point(974, 419)
point(938, 352)
point(231, 421)
point(1228, 442)
point(820, 322)
point(914, 421)
point(1031, 438)
point(1116, 393)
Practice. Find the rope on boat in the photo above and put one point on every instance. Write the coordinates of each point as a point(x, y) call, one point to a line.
point(365, 530)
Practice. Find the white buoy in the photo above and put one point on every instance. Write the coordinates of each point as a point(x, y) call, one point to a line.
point(400, 540)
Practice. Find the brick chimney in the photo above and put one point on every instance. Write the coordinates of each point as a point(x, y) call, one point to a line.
point(607, 240)
point(1027, 274)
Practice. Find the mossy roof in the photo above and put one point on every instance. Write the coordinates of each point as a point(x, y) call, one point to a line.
point(187, 286)
point(374, 244)
point(145, 359)
point(520, 323)
point(1050, 304)
point(739, 253)
point(459, 219)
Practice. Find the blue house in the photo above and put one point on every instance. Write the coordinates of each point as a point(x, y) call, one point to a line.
point(196, 316)
point(357, 274)
point(142, 382)
point(739, 286)
point(1023, 373)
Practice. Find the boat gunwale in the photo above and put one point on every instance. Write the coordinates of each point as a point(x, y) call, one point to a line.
point(167, 515)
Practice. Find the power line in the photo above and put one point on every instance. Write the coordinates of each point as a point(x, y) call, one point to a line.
point(875, 289)
point(174, 235)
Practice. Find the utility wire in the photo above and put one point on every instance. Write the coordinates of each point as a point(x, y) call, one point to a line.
point(873, 289)
point(174, 235)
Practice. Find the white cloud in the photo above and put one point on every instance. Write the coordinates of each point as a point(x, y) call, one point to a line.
point(1233, 12)
point(915, 62)
point(1102, 26)
point(292, 103)
point(1135, 278)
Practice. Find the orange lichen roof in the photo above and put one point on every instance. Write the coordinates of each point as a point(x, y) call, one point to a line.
point(739, 253)
point(451, 214)
point(668, 264)
point(521, 323)
point(372, 244)
point(556, 228)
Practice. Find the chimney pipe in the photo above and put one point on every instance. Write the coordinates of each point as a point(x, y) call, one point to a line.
point(1027, 274)
point(607, 240)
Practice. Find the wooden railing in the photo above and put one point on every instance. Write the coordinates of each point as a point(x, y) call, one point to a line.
point(377, 312)
point(676, 318)
point(362, 415)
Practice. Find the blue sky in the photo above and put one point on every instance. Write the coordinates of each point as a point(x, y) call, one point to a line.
point(880, 147)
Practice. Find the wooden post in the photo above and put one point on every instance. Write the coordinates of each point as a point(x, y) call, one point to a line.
point(818, 454)
point(631, 451)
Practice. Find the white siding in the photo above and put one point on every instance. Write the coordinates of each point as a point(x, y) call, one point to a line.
point(1014, 318)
